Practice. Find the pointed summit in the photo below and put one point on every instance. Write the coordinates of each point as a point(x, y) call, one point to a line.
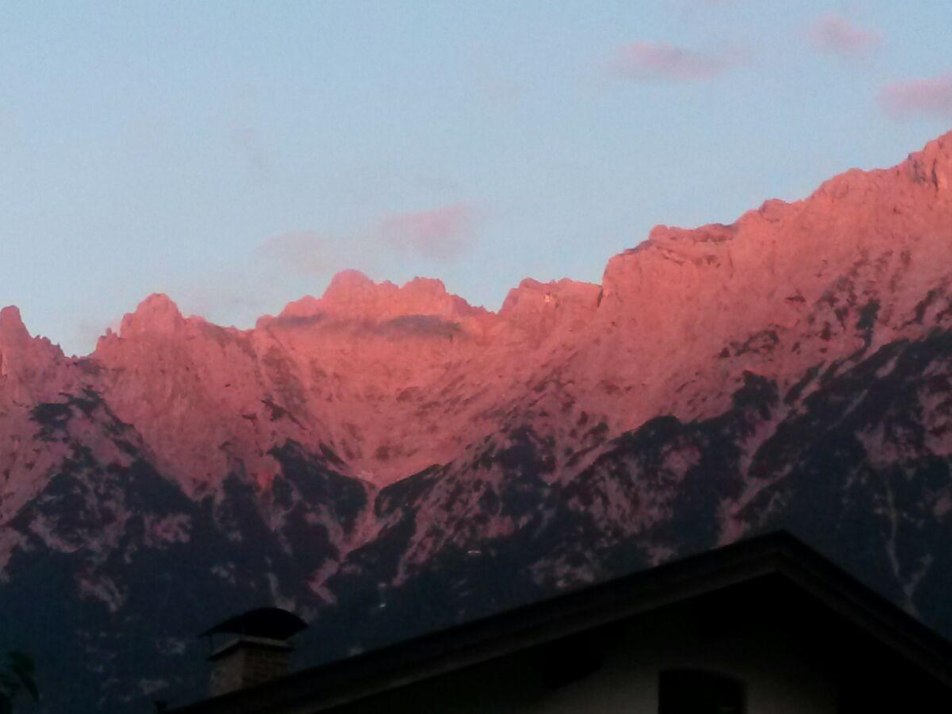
point(350, 291)
point(345, 284)
point(12, 330)
point(24, 357)
point(346, 291)
point(157, 313)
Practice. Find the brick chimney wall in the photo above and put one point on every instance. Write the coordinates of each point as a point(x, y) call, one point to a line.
point(246, 662)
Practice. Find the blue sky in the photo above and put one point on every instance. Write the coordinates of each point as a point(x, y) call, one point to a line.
point(236, 155)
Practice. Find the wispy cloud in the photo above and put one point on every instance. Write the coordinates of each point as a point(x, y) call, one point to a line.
point(303, 252)
point(441, 233)
point(661, 61)
point(918, 98)
point(837, 35)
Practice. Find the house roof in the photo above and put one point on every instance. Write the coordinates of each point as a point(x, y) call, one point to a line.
point(772, 555)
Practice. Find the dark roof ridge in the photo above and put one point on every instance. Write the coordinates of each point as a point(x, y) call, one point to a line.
point(772, 553)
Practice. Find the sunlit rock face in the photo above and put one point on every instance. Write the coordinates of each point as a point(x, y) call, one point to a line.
point(387, 459)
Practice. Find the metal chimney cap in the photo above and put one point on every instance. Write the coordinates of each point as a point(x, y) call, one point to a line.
point(269, 622)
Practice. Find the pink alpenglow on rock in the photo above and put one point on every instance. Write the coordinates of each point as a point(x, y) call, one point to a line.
point(394, 379)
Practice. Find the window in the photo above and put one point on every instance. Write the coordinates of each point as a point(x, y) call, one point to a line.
point(692, 691)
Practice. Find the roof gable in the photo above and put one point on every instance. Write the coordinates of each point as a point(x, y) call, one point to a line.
point(777, 555)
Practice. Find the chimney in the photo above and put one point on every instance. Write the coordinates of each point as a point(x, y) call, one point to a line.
point(251, 648)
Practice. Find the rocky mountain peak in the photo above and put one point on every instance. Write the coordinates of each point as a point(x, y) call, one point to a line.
point(533, 297)
point(352, 295)
point(29, 366)
point(543, 312)
point(156, 314)
point(347, 285)
point(13, 332)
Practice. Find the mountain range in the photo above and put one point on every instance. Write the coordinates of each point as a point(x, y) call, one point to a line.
point(386, 460)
